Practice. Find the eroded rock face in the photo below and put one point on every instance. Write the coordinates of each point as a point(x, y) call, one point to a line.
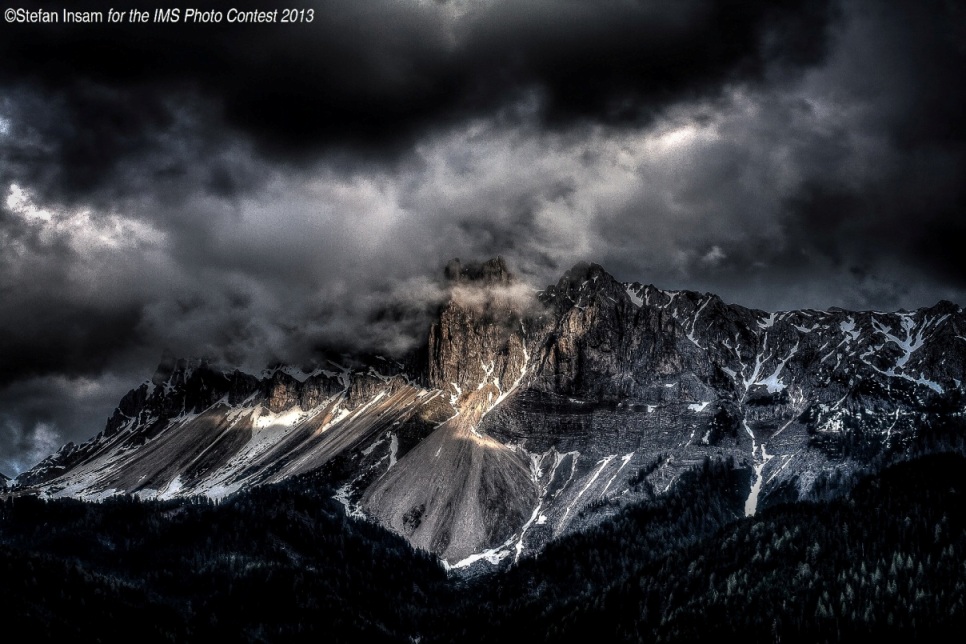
point(532, 414)
point(479, 336)
point(460, 492)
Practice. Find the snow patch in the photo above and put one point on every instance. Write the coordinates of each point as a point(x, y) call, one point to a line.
point(911, 343)
point(625, 459)
point(493, 556)
point(342, 496)
point(848, 327)
point(344, 374)
point(393, 450)
point(172, 490)
point(921, 380)
point(694, 323)
point(367, 451)
point(751, 503)
point(453, 398)
point(634, 296)
point(286, 418)
point(603, 463)
point(768, 322)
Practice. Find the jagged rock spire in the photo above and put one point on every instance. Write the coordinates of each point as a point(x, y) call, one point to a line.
point(491, 272)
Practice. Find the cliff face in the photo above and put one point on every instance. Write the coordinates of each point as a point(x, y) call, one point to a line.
point(538, 413)
point(460, 492)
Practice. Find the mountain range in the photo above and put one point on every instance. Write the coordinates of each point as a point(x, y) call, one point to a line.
point(527, 416)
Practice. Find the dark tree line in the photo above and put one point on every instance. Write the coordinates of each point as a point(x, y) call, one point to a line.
point(284, 563)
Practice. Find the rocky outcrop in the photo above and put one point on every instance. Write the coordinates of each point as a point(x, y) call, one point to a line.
point(459, 491)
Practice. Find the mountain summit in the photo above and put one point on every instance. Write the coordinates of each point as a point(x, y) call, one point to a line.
point(538, 414)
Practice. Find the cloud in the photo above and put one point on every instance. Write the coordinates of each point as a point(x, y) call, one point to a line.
point(885, 194)
point(138, 107)
point(259, 193)
point(36, 414)
point(714, 256)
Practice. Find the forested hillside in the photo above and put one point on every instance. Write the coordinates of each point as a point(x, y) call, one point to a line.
point(282, 562)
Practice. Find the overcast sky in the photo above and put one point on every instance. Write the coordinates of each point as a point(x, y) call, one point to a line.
point(255, 192)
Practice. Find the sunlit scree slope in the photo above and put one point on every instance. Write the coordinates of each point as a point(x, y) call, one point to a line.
point(528, 415)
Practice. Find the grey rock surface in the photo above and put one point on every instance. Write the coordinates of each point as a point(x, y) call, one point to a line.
point(529, 415)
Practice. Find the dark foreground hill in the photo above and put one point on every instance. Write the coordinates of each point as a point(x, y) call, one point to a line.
point(283, 563)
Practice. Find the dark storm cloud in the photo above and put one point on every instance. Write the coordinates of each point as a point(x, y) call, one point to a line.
point(899, 74)
point(37, 413)
point(66, 309)
point(368, 77)
point(843, 186)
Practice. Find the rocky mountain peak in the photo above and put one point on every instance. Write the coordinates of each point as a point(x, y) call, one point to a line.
point(584, 276)
point(530, 415)
point(489, 273)
point(165, 368)
point(944, 307)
